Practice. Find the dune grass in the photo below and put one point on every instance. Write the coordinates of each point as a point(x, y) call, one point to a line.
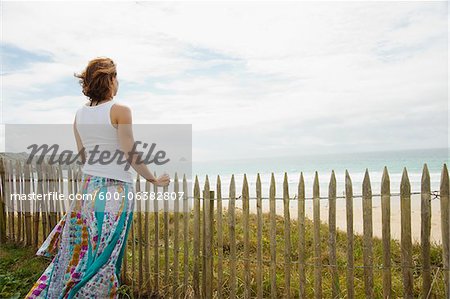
point(20, 268)
point(165, 290)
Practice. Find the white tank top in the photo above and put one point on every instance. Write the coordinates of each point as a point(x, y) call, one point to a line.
point(95, 128)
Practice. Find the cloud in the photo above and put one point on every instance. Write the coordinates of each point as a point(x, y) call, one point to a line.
point(265, 76)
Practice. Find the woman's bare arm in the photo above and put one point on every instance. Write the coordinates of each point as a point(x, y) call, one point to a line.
point(79, 143)
point(126, 141)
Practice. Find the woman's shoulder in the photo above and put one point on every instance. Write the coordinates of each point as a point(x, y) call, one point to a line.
point(120, 106)
point(121, 112)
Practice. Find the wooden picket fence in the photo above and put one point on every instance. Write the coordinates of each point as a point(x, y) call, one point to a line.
point(197, 253)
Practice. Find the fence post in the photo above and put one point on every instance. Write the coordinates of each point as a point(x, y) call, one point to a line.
point(52, 203)
point(36, 211)
point(368, 236)
point(406, 242)
point(273, 240)
point(232, 228)
point(350, 257)
point(2, 203)
point(10, 207)
point(196, 275)
point(61, 189)
point(386, 233)
point(133, 251)
point(186, 216)
point(445, 227)
point(287, 238)
point(27, 205)
point(425, 231)
point(259, 269)
point(176, 249)
point(139, 227)
point(245, 210)
point(19, 190)
point(219, 239)
point(316, 239)
point(332, 238)
point(166, 241)
point(211, 225)
point(156, 244)
point(301, 236)
point(147, 238)
point(207, 274)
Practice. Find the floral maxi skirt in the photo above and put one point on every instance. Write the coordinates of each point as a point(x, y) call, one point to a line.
point(87, 245)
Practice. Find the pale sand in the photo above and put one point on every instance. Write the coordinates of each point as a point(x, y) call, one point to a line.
point(341, 222)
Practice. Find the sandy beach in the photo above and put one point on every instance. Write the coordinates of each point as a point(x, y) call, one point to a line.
point(358, 215)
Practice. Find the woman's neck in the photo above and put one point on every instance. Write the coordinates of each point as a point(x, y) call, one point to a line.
point(98, 102)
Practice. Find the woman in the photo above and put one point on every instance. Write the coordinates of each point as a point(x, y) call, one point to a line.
point(87, 245)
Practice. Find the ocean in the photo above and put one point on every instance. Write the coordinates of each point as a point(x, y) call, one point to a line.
point(355, 163)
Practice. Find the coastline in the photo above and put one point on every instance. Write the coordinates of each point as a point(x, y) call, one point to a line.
point(435, 234)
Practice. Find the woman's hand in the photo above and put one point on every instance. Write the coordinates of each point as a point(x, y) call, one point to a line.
point(163, 180)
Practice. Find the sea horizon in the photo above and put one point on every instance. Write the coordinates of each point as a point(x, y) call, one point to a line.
point(355, 163)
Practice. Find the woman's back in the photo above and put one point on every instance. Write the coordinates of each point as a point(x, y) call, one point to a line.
point(98, 134)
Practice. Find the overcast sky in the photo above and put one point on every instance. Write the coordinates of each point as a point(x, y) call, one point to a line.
point(254, 79)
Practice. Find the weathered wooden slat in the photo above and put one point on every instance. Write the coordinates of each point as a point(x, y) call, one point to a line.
point(138, 204)
point(203, 244)
point(61, 189)
point(350, 241)
point(219, 239)
point(386, 233)
point(147, 275)
point(58, 203)
point(245, 208)
point(232, 234)
point(166, 241)
point(406, 242)
point(425, 232)
point(19, 189)
point(196, 275)
point(207, 241)
point(301, 236)
point(186, 216)
point(259, 265)
point(37, 212)
point(27, 204)
point(445, 227)
point(55, 189)
point(156, 241)
point(287, 238)
point(316, 239)
point(133, 253)
point(273, 240)
point(44, 203)
point(3, 209)
point(7, 204)
point(211, 236)
point(176, 249)
point(335, 292)
point(53, 205)
point(368, 235)
point(34, 214)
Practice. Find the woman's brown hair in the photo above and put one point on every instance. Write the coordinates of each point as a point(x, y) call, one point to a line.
point(97, 80)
